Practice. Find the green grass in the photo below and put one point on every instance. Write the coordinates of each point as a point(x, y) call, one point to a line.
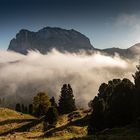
point(66, 128)
point(13, 123)
point(11, 120)
point(22, 126)
point(6, 114)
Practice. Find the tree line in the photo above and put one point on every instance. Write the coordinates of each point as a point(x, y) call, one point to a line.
point(43, 105)
point(117, 104)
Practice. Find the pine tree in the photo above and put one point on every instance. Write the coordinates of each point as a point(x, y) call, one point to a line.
point(30, 109)
point(25, 110)
point(66, 101)
point(51, 116)
point(136, 77)
point(136, 101)
point(22, 108)
point(18, 107)
point(41, 104)
point(110, 106)
point(53, 103)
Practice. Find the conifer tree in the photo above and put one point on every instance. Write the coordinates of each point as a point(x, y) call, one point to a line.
point(136, 101)
point(136, 77)
point(18, 107)
point(53, 103)
point(22, 108)
point(30, 109)
point(110, 106)
point(51, 116)
point(25, 110)
point(66, 101)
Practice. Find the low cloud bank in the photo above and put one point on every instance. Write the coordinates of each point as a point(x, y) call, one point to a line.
point(22, 77)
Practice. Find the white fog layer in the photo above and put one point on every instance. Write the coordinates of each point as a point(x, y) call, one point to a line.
point(22, 77)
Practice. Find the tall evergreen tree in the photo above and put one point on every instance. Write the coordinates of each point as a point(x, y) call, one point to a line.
point(22, 108)
point(110, 107)
point(18, 107)
point(66, 101)
point(41, 104)
point(51, 116)
point(30, 109)
point(136, 77)
point(53, 103)
point(25, 110)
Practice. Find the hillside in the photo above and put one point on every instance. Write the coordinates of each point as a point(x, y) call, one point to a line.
point(10, 120)
point(7, 114)
point(130, 132)
point(15, 126)
point(18, 126)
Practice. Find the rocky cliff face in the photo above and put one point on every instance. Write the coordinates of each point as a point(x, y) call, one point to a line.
point(63, 40)
point(47, 38)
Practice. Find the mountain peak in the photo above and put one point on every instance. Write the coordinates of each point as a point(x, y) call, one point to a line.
point(48, 38)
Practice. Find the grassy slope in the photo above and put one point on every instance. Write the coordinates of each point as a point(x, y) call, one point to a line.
point(14, 125)
point(18, 126)
point(11, 120)
point(66, 129)
point(6, 114)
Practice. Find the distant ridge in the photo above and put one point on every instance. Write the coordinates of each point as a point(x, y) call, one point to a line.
point(71, 40)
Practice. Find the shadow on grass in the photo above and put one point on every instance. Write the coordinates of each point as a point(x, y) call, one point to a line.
point(15, 121)
point(86, 138)
point(26, 127)
point(107, 137)
point(33, 122)
point(79, 122)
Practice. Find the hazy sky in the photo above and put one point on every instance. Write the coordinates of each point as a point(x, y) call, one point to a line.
point(108, 23)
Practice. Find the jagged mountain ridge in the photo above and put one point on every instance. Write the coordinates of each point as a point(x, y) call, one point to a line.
point(48, 38)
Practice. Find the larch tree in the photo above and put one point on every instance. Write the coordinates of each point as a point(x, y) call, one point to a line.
point(41, 104)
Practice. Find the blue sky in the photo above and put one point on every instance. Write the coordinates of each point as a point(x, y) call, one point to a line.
point(108, 23)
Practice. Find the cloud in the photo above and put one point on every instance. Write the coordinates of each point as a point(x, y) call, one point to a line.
point(22, 77)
